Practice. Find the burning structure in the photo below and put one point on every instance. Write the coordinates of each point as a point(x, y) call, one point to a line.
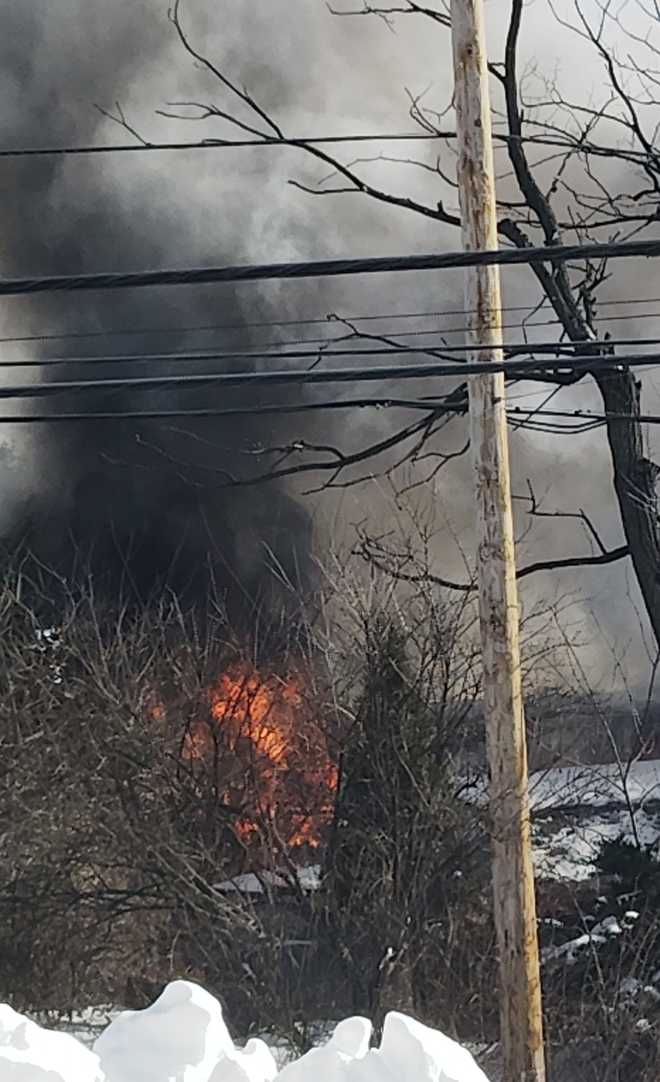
point(269, 758)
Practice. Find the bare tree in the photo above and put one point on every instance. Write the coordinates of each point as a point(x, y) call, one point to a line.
point(118, 841)
point(562, 157)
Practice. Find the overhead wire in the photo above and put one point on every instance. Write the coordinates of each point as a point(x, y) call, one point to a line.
point(594, 417)
point(273, 409)
point(383, 373)
point(331, 319)
point(584, 419)
point(221, 144)
point(265, 141)
point(328, 268)
point(203, 328)
point(386, 348)
point(296, 376)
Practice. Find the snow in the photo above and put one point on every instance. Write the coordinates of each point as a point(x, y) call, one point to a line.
point(182, 1037)
point(576, 808)
point(570, 952)
point(408, 1052)
point(596, 786)
point(309, 878)
point(630, 989)
point(184, 1028)
point(29, 1053)
point(608, 927)
point(568, 849)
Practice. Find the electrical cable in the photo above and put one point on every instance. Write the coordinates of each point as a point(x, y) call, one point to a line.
point(389, 349)
point(221, 144)
point(265, 141)
point(425, 405)
point(383, 373)
point(332, 319)
point(328, 268)
point(591, 420)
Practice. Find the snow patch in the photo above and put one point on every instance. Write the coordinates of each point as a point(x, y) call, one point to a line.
point(309, 878)
point(182, 1037)
point(29, 1053)
point(570, 851)
point(596, 786)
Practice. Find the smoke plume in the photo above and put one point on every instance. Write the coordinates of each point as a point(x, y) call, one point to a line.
point(143, 504)
point(136, 504)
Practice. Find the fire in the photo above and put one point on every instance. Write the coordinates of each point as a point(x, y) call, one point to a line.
point(156, 709)
point(273, 757)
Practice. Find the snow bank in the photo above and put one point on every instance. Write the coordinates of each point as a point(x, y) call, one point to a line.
point(309, 878)
point(29, 1053)
point(577, 808)
point(598, 786)
point(408, 1052)
point(568, 850)
point(182, 1037)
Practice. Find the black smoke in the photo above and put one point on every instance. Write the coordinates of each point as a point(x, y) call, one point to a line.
point(139, 505)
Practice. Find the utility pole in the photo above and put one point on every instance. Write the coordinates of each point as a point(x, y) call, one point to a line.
point(513, 876)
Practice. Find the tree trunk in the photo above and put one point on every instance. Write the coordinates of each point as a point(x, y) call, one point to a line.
point(634, 482)
point(395, 990)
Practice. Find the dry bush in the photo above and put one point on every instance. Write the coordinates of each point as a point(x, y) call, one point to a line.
point(111, 845)
point(406, 880)
point(118, 842)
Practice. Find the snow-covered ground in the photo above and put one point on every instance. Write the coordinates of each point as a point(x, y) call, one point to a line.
point(598, 786)
point(566, 843)
point(309, 878)
point(637, 784)
point(182, 1037)
point(576, 808)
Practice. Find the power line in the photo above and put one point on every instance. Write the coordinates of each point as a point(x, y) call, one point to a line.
point(214, 355)
point(200, 328)
point(324, 340)
point(589, 415)
point(332, 319)
point(590, 419)
point(245, 355)
point(335, 375)
point(328, 320)
point(328, 268)
point(265, 142)
point(426, 405)
point(390, 349)
point(220, 144)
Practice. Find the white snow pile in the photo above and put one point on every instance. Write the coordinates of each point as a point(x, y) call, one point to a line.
point(608, 928)
point(570, 851)
point(601, 785)
point(182, 1037)
point(308, 878)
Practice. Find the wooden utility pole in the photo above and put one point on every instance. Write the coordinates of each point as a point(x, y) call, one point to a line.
point(513, 876)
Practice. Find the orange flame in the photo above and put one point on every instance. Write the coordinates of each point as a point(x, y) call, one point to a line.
point(276, 757)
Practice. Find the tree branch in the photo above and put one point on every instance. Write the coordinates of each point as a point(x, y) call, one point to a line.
point(371, 554)
point(241, 94)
